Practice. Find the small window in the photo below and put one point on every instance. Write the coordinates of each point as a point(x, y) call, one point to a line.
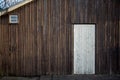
point(13, 19)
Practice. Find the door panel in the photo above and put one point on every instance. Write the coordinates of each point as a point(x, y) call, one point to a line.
point(84, 49)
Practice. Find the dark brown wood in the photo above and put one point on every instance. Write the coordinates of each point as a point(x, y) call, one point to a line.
point(42, 42)
point(119, 34)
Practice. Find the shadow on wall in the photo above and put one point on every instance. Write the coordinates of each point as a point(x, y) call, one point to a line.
point(1, 71)
point(119, 59)
point(4, 20)
point(116, 1)
point(115, 58)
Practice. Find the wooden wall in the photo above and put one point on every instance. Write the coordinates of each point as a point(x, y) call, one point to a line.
point(119, 38)
point(42, 42)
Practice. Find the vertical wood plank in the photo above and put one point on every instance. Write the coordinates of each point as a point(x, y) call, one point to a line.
point(42, 42)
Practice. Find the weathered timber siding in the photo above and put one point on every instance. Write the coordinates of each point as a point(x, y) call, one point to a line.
point(42, 42)
point(119, 37)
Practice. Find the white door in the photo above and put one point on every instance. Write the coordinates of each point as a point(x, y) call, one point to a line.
point(84, 49)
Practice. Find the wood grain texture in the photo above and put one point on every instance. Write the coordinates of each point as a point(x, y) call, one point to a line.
point(42, 43)
point(119, 35)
